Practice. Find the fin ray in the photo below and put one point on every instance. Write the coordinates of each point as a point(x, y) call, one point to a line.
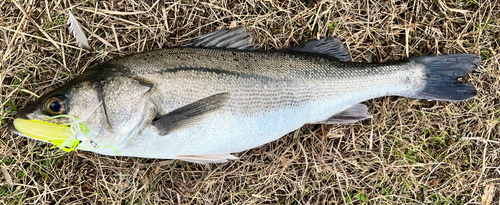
point(442, 73)
point(206, 159)
point(352, 114)
point(328, 46)
point(190, 114)
point(236, 38)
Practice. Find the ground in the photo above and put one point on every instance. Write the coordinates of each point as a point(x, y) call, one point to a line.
point(411, 151)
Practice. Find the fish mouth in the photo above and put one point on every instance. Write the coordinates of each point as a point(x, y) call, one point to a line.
point(11, 126)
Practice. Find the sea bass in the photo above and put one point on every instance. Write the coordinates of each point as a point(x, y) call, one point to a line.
point(220, 94)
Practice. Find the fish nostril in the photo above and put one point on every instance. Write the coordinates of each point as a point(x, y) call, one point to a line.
point(21, 115)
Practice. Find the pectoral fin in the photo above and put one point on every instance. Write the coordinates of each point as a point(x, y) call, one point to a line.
point(353, 114)
point(205, 159)
point(190, 114)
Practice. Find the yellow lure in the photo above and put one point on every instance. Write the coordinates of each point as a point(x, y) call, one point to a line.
point(59, 135)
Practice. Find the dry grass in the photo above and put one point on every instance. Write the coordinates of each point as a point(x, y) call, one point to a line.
point(412, 151)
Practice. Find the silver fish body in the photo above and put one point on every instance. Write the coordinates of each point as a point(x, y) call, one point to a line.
point(271, 94)
point(237, 99)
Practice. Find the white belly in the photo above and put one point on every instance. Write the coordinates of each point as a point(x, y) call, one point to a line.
point(221, 134)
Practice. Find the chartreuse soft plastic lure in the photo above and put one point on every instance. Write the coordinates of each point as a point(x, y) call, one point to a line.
point(65, 136)
point(62, 136)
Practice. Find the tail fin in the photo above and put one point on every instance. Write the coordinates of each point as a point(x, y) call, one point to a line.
point(442, 76)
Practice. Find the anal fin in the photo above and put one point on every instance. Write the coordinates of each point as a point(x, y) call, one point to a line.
point(206, 159)
point(352, 114)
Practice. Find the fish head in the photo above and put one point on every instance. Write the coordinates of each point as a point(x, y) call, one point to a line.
point(73, 101)
point(109, 108)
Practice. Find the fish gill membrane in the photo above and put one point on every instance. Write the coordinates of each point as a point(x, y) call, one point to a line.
point(188, 97)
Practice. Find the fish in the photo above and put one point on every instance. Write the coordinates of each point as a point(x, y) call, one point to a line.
point(220, 94)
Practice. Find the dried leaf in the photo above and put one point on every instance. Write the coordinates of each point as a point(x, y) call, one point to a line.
point(76, 28)
point(7, 177)
point(489, 193)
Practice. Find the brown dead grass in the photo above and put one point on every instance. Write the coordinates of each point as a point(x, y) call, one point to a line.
point(412, 151)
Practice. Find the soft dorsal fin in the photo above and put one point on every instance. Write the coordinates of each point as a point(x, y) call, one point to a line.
point(352, 114)
point(190, 114)
point(236, 38)
point(326, 46)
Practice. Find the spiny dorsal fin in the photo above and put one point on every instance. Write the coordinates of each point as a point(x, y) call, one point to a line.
point(190, 114)
point(326, 46)
point(236, 38)
point(352, 114)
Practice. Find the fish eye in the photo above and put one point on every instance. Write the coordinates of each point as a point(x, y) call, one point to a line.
point(56, 105)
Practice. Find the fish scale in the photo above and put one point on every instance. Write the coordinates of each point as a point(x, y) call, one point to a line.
point(298, 81)
point(263, 106)
point(220, 94)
